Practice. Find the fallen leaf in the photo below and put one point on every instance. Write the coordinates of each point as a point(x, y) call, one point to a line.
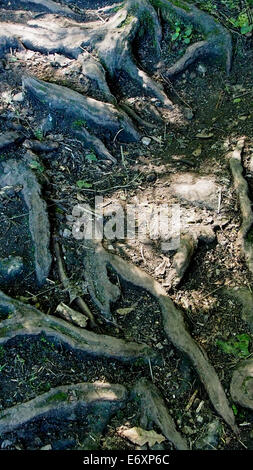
point(161, 268)
point(204, 135)
point(197, 152)
point(140, 436)
point(125, 311)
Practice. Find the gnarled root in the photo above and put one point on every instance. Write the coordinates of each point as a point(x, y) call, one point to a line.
point(181, 259)
point(153, 408)
point(61, 401)
point(242, 190)
point(217, 41)
point(78, 111)
point(172, 320)
point(18, 319)
point(18, 172)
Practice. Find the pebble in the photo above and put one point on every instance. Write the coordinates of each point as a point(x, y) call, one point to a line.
point(67, 233)
point(18, 98)
point(201, 69)
point(6, 443)
point(188, 114)
point(47, 447)
point(10, 267)
point(146, 140)
point(193, 75)
point(151, 177)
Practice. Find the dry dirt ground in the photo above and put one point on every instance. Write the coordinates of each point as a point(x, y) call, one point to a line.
point(217, 111)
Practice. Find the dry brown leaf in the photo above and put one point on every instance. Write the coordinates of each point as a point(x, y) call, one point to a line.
point(140, 436)
point(125, 311)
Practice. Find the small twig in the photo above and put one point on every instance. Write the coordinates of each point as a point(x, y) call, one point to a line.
point(190, 403)
point(65, 281)
point(219, 202)
point(175, 91)
point(151, 371)
point(116, 135)
point(100, 17)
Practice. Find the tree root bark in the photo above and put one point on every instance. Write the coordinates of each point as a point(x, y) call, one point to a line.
point(104, 293)
point(119, 44)
point(242, 190)
point(153, 408)
point(18, 319)
point(217, 41)
point(18, 172)
point(181, 259)
point(76, 112)
point(61, 401)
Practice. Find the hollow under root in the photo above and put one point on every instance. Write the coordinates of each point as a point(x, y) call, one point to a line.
point(19, 319)
point(62, 401)
point(153, 408)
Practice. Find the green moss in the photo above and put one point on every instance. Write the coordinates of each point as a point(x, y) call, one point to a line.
point(79, 123)
point(57, 397)
point(127, 21)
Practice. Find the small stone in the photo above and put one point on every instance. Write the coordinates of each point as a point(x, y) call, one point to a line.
point(201, 69)
point(151, 177)
point(210, 439)
point(188, 114)
point(10, 268)
point(47, 447)
point(193, 75)
point(18, 98)
point(187, 430)
point(145, 140)
point(200, 419)
point(66, 233)
point(6, 443)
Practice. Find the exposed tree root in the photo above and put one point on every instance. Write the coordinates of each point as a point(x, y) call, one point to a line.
point(104, 293)
point(51, 6)
point(76, 111)
point(68, 314)
point(241, 387)
point(153, 408)
point(61, 401)
point(117, 43)
point(18, 172)
point(181, 259)
point(217, 41)
point(19, 319)
point(245, 238)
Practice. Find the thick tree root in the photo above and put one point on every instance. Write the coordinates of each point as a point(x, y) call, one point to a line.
point(119, 44)
point(173, 321)
point(181, 259)
point(60, 401)
point(153, 408)
point(51, 6)
point(241, 387)
point(19, 319)
point(217, 41)
point(18, 172)
point(242, 190)
point(77, 111)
